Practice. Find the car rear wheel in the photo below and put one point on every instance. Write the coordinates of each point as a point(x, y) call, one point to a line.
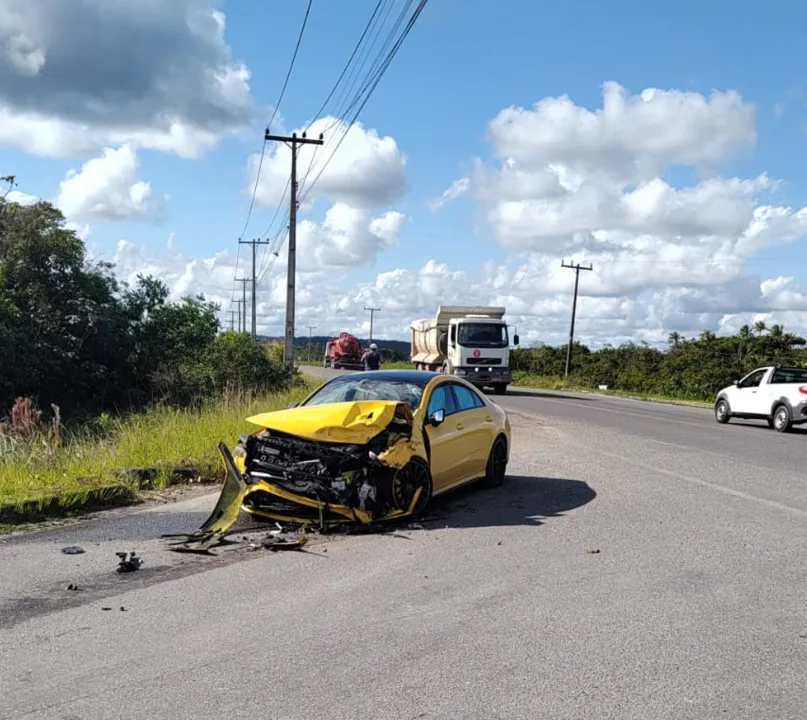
point(781, 419)
point(497, 463)
point(415, 474)
point(722, 414)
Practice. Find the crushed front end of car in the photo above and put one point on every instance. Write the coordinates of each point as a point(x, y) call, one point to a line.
point(346, 462)
point(342, 463)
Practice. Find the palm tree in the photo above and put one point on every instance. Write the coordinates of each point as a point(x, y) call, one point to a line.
point(745, 332)
point(674, 339)
point(707, 336)
point(760, 327)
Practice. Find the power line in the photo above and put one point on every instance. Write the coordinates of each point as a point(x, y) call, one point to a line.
point(267, 262)
point(370, 89)
point(577, 268)
point(347, 64)
point(263, 147)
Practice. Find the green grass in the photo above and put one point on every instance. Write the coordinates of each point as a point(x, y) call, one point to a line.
point(85, 468)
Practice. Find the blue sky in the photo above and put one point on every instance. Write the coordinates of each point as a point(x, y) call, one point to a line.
point(461, 65)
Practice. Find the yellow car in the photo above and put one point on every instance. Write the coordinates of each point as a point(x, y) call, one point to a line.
point(364, 447)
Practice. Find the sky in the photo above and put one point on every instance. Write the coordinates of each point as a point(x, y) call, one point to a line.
point(661, 143)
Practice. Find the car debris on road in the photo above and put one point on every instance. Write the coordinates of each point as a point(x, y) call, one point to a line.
point(129, 562)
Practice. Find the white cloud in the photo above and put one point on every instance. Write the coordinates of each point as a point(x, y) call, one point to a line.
point(76, 77)
point(347, 237)
point(365, 170)
point(107, 188)
point(334, 301)
point(452, 192)
point(21, 198)
point(567, 183)
point(632, 137)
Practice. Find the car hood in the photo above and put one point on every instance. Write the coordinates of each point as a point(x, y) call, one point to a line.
point(347, 422)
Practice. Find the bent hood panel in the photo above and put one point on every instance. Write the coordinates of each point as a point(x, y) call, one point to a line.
point(348, 422)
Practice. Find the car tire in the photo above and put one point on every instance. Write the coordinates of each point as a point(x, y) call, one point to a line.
point(781, 419)
point(770, 422)
point(496, 470)
point(722, 411)
point(418, 472)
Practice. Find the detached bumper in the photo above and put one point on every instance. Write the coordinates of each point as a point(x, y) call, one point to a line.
point(484, 375)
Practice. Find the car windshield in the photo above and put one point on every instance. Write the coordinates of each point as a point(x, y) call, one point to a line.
point(483, 335)
point(350, 389)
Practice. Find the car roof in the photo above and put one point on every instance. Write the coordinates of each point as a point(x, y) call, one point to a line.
point(415, 377)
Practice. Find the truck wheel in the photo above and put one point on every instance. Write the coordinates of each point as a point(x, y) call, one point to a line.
point(722, 414)
point(781, 419)
point(500, 388)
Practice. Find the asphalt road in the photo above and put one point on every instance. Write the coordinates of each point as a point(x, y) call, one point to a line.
point(641, 562)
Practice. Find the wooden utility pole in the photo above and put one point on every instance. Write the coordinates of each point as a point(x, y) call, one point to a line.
point(232, 320)
point(372, 312)
point(577, 268)
point(254, 244)
point(243, 301)
point(310, 328)
point(293, 142)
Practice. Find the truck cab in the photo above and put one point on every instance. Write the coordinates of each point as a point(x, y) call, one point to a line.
point(471, 342)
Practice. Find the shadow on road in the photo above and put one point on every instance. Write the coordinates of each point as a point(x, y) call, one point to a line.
point(521, 500)
point(795, 430)
point(549, 395)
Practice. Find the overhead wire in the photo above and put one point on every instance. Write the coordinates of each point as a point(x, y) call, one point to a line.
point(370, 89)
point(271, 252)
point(263, 146)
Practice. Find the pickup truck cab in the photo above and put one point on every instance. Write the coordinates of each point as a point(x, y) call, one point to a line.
point(775, 394)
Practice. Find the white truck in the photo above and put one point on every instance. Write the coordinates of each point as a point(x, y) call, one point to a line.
point(775, 394)
point(471, 342)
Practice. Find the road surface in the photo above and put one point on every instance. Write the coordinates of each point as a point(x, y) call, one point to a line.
point(641, 562)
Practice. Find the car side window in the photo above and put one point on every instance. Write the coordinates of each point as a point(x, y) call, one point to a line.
point(753, 380)
point(465, 398)
point(440, 399)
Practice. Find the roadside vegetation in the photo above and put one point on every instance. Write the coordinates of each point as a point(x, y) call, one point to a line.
point(108, 385)
point(691, 369)
point(688, 370)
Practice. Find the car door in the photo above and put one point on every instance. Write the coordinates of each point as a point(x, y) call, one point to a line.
point(749, 398)
point(445, 439)
point(471, 421)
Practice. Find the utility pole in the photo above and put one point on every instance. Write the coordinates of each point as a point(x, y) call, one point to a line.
point(294, 141)
point(310, 328)
point(577, 268)
point(232, 320)
point(254, 244)
point(372, 312)
point(243, 300)
point(242, 314)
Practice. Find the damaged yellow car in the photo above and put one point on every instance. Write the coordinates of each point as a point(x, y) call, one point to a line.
point(365, 447)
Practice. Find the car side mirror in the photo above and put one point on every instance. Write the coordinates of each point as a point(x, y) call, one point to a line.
point(735, 382)
point(515, 339)
point(437, 417)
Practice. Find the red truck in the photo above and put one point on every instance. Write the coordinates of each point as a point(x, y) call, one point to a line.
point(344, 352)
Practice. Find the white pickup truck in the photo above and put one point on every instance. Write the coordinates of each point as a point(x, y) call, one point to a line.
point(776, 394)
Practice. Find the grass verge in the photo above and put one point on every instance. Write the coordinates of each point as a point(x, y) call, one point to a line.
point(542, 382)
point(39, 478)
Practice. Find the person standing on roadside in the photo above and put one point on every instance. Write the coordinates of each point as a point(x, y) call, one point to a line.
point(372, 358)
